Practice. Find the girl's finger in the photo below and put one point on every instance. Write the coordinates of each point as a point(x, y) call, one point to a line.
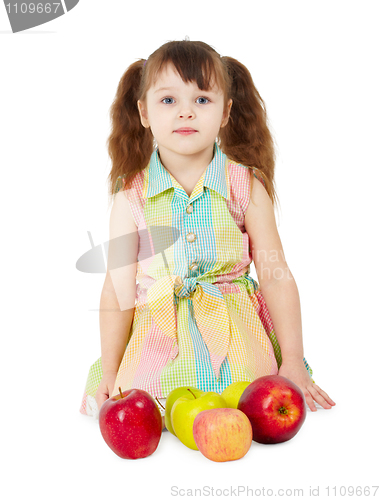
point(309, 401)
point(101, 399)
point(324, 394)
point(319, 398)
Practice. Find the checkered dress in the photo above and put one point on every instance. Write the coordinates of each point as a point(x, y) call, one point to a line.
point(200, 320)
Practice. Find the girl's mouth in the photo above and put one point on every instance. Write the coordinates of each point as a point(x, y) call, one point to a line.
point(185, 131)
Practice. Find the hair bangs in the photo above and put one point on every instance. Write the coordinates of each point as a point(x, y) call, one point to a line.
point(194, 62)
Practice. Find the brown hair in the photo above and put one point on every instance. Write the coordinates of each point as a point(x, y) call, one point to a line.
point(245, 139)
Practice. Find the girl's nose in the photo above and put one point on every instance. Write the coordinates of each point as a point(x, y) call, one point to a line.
point(186, 113)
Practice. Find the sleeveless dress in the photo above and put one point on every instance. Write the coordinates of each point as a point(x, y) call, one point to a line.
point(200, 319)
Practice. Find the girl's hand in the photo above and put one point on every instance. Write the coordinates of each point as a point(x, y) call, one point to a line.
point(105, 388)
point(298, 374)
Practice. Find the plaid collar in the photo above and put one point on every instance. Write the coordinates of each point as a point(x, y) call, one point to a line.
point(215, 176)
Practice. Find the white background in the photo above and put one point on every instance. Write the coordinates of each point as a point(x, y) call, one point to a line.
point(316, 66)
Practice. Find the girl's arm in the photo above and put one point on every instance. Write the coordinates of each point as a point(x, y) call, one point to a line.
point(115, 326)
point(117, 300)
point(280, 292)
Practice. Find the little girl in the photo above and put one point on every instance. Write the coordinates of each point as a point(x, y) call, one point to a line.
point(193, 184)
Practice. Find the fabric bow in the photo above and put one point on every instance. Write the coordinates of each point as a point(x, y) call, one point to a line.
point(210, 313)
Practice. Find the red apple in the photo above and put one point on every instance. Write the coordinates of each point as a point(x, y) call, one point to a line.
point(131, 424)
point(276, 408)
point(222, 434)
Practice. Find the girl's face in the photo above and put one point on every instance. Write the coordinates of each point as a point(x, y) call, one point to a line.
point(172, 105)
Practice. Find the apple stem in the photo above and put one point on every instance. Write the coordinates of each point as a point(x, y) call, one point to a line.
point(159, 403)
point(121, 394)
point(283, 410)
point(195, 397)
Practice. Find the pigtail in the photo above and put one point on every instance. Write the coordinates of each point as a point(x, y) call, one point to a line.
point(130, 145)
point(246, 138)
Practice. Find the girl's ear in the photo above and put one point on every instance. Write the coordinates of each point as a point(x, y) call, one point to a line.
point(143, 114)
point(226, 114)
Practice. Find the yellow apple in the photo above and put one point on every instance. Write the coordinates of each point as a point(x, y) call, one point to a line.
point(172, 398)
point(232, 393)
point(186, 408)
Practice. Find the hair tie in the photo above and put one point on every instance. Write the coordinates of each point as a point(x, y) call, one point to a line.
point(145, 62)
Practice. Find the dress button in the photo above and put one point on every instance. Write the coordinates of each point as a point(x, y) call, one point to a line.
point(190, 237)
point(189, 209)
point(193, 266)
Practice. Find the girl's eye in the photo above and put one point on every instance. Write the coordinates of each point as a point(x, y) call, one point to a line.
point(203, 100)
point(166, 99)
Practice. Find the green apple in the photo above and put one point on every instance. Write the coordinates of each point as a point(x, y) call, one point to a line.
point(186, 408)
point(232, 393)
point(172, 398)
